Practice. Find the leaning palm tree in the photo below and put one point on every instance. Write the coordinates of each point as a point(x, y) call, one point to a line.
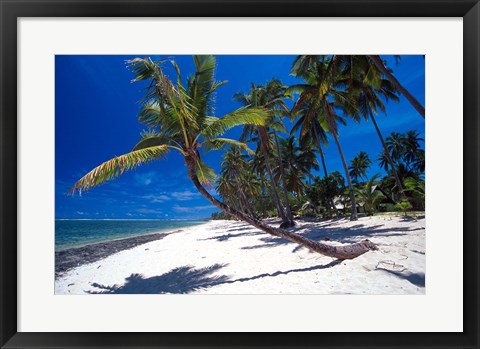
point(179, 117)
point(380, 65)
point(323, 96)
point(370, 87)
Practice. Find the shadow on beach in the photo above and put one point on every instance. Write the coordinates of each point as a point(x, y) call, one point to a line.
point(187, 279)
point(329, 231)
point(417, 279)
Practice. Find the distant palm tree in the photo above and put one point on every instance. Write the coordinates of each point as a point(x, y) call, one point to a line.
point(384, 161)
point(321, 95)
point(271, 97)
point(359, 166)
point(235, 178)
point(413, 154)
point(179, 117)
point(396, 146)
point(380, 65)
point(311, 133)
point(298, 163)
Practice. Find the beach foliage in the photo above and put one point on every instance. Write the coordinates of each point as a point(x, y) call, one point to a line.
point(369, 195)
point(272, 170)
point(404, 206)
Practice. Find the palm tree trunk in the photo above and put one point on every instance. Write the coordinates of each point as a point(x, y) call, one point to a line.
point(240, 204)
point(376, 60)
point(341, 252)
point(284, 183)
point(263, 138)
point(322, 157)
point(389, 158)
point(354, 215)
point(246, 203)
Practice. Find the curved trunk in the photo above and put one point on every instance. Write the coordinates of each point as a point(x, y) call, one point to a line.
point(377, 61)
point(322, 157)
point(389, 158)
point(263, 139)
point(284, 183)
point(341, 252)
point(246, 203)
point(354, 215)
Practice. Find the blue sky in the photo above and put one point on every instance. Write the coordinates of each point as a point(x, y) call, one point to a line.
point(96, 108)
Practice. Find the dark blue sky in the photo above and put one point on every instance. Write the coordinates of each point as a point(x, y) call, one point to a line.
point(96, 109)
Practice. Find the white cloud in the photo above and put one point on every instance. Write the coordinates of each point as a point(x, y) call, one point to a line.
point(156, 198)
point(148, 211)
point(185, 195)
point(192, 209)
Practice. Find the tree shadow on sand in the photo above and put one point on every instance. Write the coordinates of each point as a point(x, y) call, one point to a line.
point(327, 232)
point(226, 237)
point(187, 279)
point(179, 280)
point(417, 279)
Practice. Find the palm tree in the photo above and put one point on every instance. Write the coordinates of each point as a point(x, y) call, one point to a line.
point(396, 146)
point(271, 97)
point(416, 187)
point(311, 132)
point(179, 118)
point(379, 64)
point(405, 149)
point(369, 85)
point(323, 96)
point(384, 162)
point(359, 166)
point(235, 179)
point(298, 163)
point(413, 154)
point(369, 196)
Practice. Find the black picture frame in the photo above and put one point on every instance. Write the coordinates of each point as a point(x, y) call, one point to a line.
point(11, 10)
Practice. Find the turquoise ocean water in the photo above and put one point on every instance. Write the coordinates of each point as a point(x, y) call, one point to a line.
point(71, 233)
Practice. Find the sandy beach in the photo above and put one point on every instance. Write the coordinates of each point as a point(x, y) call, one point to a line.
point(231, 257)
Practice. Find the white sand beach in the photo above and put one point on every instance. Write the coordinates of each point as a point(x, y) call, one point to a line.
point(231, 257)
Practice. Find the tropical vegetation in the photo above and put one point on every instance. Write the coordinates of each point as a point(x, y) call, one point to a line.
point(277, 167)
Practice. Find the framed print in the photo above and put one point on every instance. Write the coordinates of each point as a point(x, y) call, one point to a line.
point(239, 174)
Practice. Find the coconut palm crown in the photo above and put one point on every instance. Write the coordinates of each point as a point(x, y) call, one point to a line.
point(179, 117)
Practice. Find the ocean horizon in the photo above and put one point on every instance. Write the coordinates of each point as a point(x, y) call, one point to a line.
point(74, 233)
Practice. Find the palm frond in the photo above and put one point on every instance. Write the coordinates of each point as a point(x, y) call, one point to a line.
point(243, 116)
point(206, 175)
point(218, 143)
point(299, 89)
point(154, 114)
point(118, 165)
point(143, 68)
point(151, 139)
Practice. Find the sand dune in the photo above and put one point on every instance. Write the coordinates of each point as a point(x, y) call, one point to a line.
point(229, 257)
